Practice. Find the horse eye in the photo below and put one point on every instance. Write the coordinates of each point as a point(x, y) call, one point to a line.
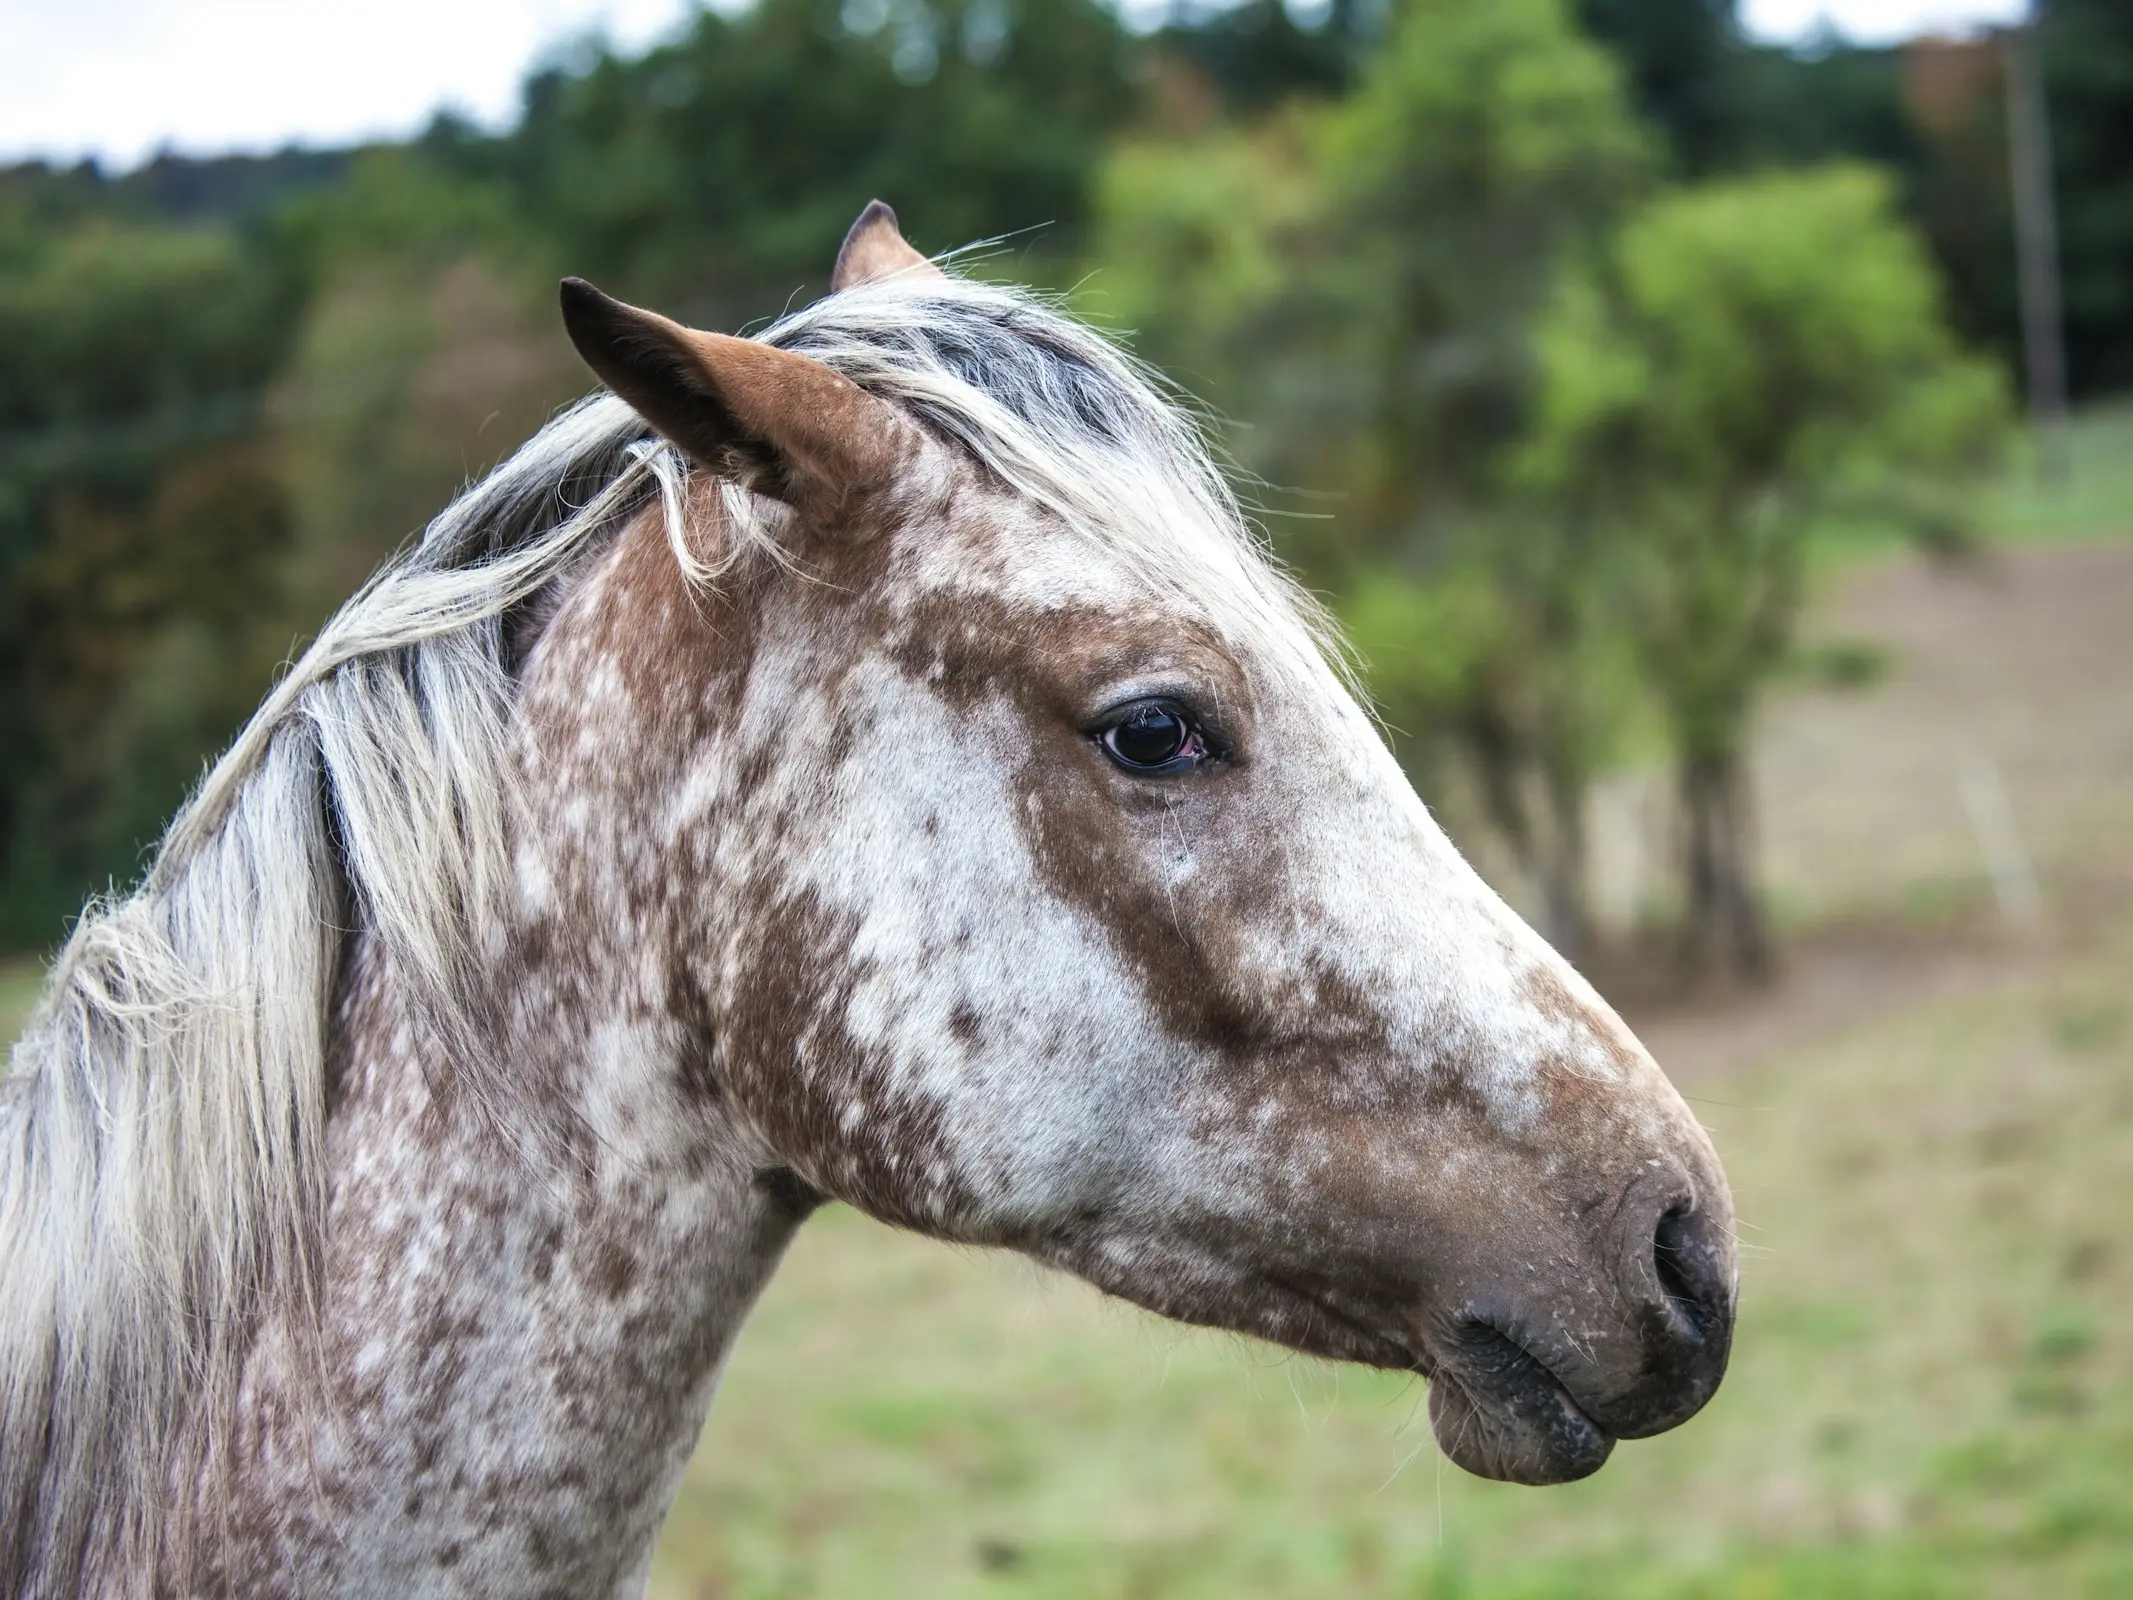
point(1154, 737)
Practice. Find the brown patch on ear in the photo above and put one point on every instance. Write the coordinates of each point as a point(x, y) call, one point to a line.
point(787, 424)
point(876, 249)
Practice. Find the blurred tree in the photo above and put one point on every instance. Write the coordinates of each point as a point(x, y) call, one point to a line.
point(717, 174)
point(234, 191)
point(1682, 59)
point(1728, 105)
point(1194, 249)
point(136, 496)
point(429, 349)
point(1261, 53)
point(1482, 146)
point(1748, 355)
point(2087, 49)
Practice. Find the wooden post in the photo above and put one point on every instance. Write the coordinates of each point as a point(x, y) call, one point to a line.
point(2037, 247)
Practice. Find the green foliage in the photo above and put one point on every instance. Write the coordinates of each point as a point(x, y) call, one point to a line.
point(136, 510)
point(1190, 250)
point(1423, 642)
point(410, 208)
point(107, 321)
point(1358, 277)
point(1748, 354)
point(427, 351)
point(719, 173)
point(1481, 144)
point(407, 381)
point(1745, 357)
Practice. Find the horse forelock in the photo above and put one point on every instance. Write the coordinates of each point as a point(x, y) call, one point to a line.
point(1066, 421)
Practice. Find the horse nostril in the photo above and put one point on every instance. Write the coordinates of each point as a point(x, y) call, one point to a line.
point(1682, 1331)
point(1690, 1266)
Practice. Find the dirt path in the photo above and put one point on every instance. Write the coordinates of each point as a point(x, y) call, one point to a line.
point(1831, 985)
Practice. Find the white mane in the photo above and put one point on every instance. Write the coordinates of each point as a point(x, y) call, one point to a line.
point(162, 1128)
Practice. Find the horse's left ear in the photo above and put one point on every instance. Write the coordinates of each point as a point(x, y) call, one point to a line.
point(798, 431)
point(875, 250)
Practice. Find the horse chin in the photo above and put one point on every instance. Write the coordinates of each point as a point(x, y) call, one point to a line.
point(1530, 1432)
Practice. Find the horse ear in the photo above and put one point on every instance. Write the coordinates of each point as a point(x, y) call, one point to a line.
point(876, 249)
point(802, 433)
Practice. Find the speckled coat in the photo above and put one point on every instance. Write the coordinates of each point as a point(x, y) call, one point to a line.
point(823, 881)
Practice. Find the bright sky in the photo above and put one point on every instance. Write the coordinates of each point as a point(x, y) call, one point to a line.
point(119, 79)
point(1875, 21)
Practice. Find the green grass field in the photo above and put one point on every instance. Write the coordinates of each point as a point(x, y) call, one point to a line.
point(2095, 497)
point(1929, 1126)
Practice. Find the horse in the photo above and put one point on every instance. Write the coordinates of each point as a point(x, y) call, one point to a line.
point(873, 761)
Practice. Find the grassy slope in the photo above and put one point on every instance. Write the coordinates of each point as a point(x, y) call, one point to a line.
point(2093, 500)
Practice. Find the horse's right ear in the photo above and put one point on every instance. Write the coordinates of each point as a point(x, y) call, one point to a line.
point(876, 251)
point(796, 430)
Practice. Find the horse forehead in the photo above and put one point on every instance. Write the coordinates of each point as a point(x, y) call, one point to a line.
point(959, 532)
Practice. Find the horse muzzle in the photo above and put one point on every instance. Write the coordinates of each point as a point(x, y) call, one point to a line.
point(1538, 1390)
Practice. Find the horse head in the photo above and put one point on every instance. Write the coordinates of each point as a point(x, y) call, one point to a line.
point(1040, 882)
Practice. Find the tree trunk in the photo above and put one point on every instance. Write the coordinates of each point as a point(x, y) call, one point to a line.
point(1723, 929)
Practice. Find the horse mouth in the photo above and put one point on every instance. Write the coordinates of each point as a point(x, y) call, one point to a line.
point(1499, 1412)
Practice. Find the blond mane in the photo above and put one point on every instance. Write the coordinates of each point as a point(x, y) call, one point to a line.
point(162, 1127)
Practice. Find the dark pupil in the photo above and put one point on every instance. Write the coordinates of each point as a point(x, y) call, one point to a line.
point(1150, 737)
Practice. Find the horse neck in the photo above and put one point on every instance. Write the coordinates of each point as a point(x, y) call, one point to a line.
point(524, 1313)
